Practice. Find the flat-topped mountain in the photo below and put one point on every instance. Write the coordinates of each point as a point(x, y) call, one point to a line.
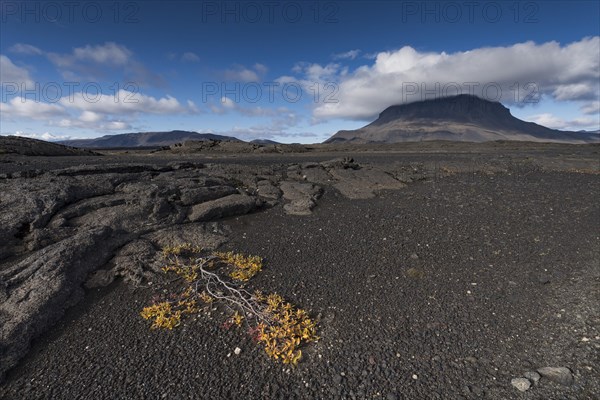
point(457, 118)
point(144, 139)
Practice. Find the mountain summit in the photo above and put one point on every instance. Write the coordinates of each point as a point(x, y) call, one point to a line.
point(457, 118)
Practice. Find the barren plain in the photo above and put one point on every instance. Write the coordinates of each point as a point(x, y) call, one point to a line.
point(433, 270)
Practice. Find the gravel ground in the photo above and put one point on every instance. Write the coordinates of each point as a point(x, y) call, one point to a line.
point(446, 289)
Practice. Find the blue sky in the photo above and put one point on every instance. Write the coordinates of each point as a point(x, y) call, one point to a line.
point(288, 71)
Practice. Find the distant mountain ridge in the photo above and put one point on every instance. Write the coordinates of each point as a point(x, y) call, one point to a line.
point(34, 147)
point(264, 141)
point(144, 139)
point(456, 118)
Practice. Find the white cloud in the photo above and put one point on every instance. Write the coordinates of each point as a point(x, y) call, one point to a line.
point(192, 107)
point(227, 103)
point(104, 113)
point(260, 68)
point(349, 55)
point(90, 116)
point(27, 49)
point(11, 73)
point(592, 107)
point(317, 73)
point(190, 57)
point(552, 121)
point(116, 125)
point(109, 53)
point(564, 72)
point(94, 62)
point(127, 103)
point(242, 74)
point(572, 91)
point(43, 136)
point(19, 107)
point(548, 120)
point(280, 118)
point(102, 125)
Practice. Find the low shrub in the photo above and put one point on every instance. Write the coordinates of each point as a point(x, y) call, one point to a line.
point(278, 325)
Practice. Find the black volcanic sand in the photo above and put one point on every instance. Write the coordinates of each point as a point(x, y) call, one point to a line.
point(551, 156)
point(446, 289)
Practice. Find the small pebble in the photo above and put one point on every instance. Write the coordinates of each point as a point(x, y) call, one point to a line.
point(521, 384)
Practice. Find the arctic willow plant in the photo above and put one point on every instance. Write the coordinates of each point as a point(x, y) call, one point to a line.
point(278, 325)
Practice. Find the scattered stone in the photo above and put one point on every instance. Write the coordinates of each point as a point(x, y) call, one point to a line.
point(300, 207)
point(532, 376)
point(302, 196)
point(342, 162)
point(100, 278)
point(237, 351)
point(235, 204)
point(560, 375)
point(202, 194)
point(267, 190)
point(363, 183)
point(521, 384)
point(298, 190)
point(85, 225)
point(415, 273)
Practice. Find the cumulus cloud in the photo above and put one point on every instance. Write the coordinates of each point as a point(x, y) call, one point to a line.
point(577, 91)
point(102, 125)
point(592, 107)
point(513, 74)
point(90, 116)
point(280, 118)
point(126, 103)
point(278, 113)
point(109, 54)
point(552, 121)
point(43, 136)
point(11, 73)
point(260, 68)
point(93, 62)
point(318, 73)
point(348, 55)
point(100, 113)
point(240, 73)
point(228, 103)
point(20, 107)
point(27, 49)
